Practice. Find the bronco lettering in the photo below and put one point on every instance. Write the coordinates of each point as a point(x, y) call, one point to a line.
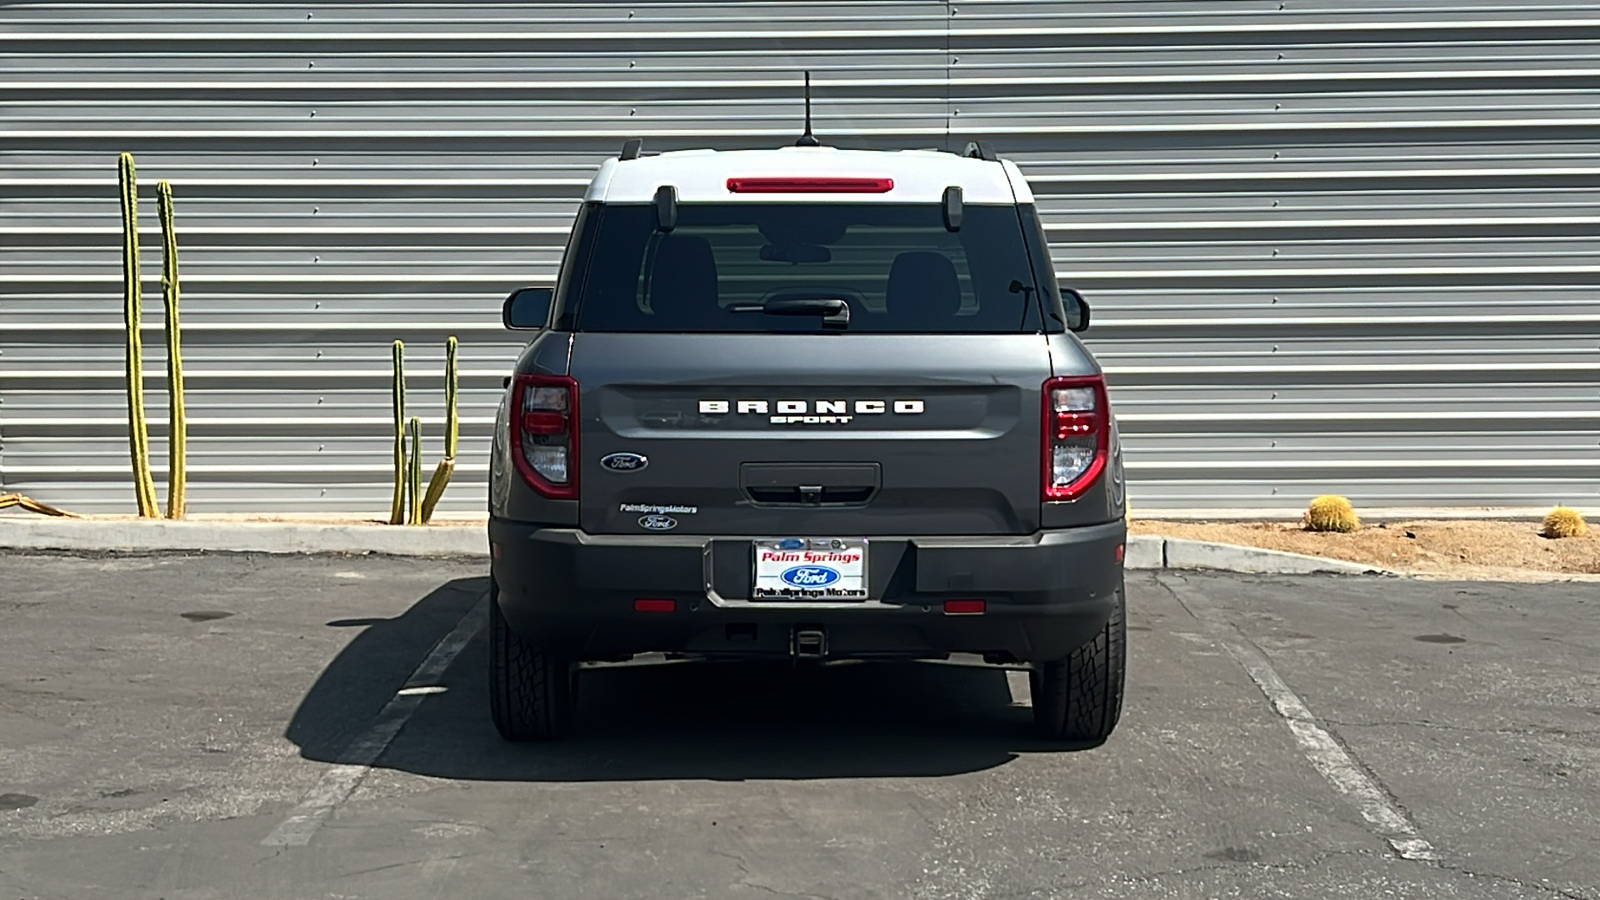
point(812, 412)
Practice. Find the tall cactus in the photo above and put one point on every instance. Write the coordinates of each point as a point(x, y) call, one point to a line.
point(414, 475)
point(397, 509)
point(144, 486)
point(178, 423)
point(452, 430)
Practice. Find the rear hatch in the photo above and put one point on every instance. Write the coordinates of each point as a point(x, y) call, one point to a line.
point(816, 369)
point(810, 434)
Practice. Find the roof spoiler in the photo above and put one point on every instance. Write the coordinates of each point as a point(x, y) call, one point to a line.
point(633, 148)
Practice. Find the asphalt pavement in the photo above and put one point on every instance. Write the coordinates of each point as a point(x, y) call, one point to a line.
point(218, 726)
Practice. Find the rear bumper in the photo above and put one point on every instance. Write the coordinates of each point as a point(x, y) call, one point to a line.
point(1045, 594)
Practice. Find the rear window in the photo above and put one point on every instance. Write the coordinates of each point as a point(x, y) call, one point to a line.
point(896, 266)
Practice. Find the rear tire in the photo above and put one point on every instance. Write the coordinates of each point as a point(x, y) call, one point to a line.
point(1079, 699)
point(530, 689)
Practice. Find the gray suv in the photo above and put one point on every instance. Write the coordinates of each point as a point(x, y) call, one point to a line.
point(810, 404)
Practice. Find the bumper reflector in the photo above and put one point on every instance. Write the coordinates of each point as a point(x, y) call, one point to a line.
point(964, 607)
point(646, 604)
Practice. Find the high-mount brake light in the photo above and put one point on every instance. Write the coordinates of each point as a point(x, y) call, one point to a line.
point(1076, 434)
point(810, 185)
point(544, 433)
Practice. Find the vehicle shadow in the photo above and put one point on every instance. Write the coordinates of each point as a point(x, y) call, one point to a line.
point(665, 720)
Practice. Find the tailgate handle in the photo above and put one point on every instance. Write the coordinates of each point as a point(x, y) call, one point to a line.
point(810, 495)
point(817, 484)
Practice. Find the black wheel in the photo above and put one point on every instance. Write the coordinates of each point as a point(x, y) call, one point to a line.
point(1079, 699)
point(530, 690)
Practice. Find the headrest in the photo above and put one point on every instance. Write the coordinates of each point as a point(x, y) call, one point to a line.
point(923, 287)
point(683, 281)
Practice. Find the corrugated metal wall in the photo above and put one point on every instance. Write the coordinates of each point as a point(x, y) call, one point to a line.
point(1332, 244)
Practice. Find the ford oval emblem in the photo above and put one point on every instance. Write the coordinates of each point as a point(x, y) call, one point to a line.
point(809, 576)
point(658, 523)
point(624, 462)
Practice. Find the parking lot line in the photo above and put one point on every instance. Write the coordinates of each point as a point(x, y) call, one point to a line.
point(1324, 752)
point(339, 781)
point(1331, 759)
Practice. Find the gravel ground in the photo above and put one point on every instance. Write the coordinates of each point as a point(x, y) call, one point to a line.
point(1482, 550)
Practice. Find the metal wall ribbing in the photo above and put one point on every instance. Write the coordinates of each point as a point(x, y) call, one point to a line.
point(1340, 245)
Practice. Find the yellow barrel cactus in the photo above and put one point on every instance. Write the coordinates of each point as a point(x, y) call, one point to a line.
point(1564, 522)
point(1331, 512)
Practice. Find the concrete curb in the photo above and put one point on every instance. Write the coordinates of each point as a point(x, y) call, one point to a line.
point(1144, 552)
point(1177, 553)
point(91, 535)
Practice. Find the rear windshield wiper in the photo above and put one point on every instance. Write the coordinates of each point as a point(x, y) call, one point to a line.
point(835, 312)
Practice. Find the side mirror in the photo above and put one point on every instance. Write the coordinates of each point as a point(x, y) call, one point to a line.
point(1077, 309)
point(528, 308)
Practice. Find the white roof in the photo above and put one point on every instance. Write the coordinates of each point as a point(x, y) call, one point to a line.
point(702, 175)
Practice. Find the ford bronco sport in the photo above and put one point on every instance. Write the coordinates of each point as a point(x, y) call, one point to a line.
point(806, 403)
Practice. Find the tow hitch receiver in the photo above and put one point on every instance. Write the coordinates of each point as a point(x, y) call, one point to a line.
point(808, 642)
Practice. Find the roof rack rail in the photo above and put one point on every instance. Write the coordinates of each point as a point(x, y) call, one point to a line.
point(631, 148)
point(980, 150)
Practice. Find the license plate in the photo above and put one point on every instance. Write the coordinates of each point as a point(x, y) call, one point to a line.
point(811, 569)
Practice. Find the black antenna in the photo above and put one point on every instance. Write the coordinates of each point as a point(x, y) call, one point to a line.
point(808, 139)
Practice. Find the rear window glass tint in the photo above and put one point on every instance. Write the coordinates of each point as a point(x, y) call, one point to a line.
point(896, 265)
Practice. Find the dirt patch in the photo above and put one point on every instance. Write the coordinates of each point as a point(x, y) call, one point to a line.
point(1454, 549)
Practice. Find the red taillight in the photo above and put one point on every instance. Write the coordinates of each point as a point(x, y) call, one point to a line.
point(810, 185)
point(544, 433)
point(965, 607)
point(540, 422)
point(1077, 434)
